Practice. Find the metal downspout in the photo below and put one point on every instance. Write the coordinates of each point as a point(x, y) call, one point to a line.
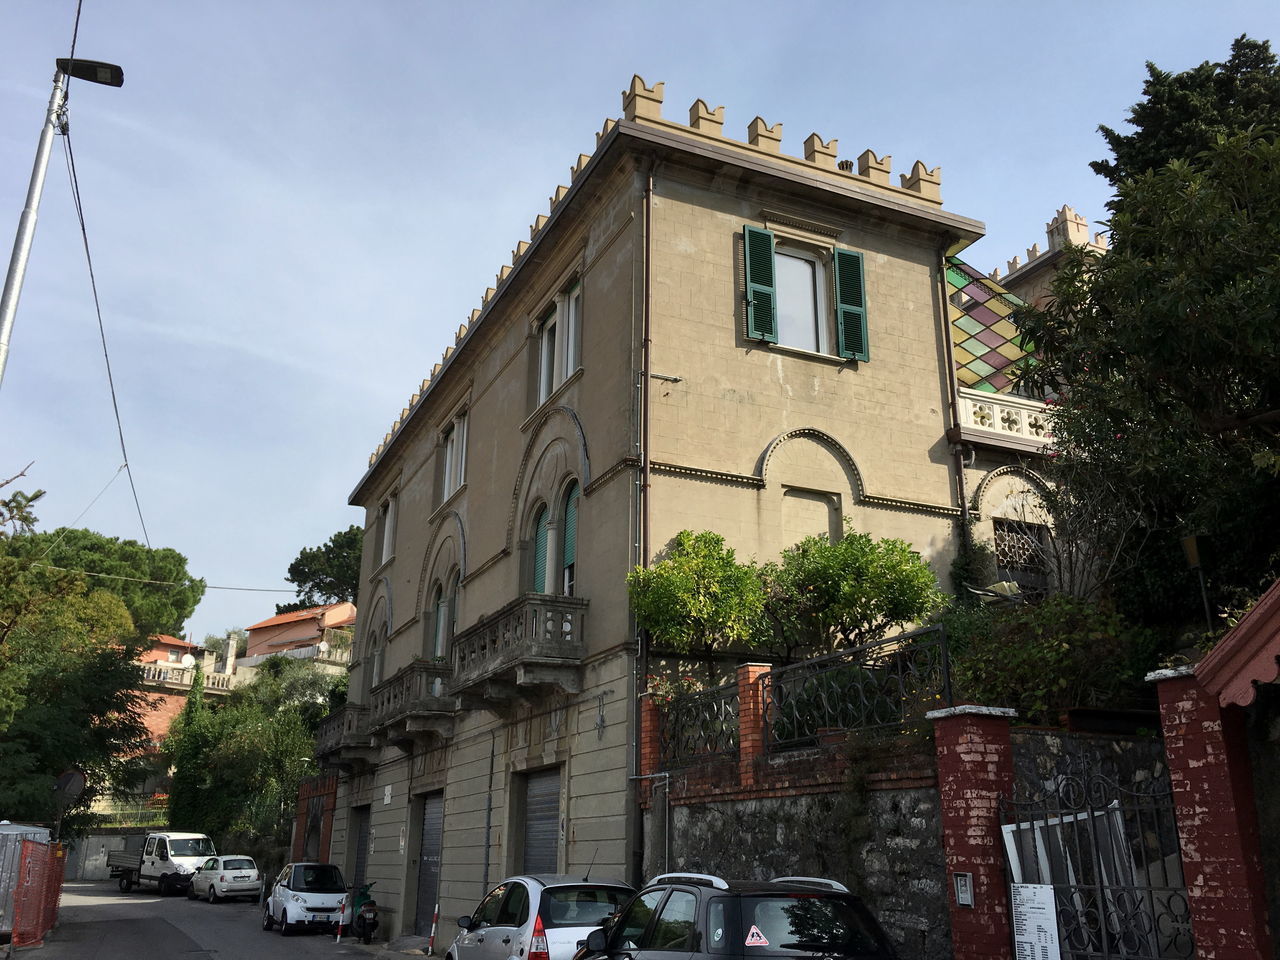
point(488, 813)
point(641, 663)
point(953, 399)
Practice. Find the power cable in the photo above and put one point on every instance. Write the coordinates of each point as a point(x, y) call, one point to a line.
point(102, 331)
point(68, 528)
point(160, 583)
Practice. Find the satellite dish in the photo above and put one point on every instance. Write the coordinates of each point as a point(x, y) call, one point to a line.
point(188, 661)
point(68, 787)
point(323, 646)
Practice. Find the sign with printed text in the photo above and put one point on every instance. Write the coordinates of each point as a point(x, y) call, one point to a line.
point(755, 938)
point(1035, 922)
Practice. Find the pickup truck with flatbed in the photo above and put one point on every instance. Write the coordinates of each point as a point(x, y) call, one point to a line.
point(166, 861)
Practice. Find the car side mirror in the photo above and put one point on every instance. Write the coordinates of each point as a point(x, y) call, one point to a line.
point(464, 923)
point(597, 940)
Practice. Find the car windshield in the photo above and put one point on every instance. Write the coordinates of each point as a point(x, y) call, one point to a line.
point(584, 905)
point(191, 847)
point(238, 863)
point(318, 878)
point(798, 923)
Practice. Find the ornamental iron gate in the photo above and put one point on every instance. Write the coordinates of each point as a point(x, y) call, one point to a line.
point(1111, 855)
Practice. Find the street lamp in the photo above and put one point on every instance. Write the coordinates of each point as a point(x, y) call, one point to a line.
point(94, 71)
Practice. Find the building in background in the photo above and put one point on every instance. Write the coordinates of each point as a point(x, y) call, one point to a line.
point(701, 333)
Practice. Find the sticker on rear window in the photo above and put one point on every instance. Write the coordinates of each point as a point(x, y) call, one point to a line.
point(755, 938)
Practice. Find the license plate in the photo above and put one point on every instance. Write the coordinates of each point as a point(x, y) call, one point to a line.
point(239, 879)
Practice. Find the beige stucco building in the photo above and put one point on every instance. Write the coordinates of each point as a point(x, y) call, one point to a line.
point(702, 333)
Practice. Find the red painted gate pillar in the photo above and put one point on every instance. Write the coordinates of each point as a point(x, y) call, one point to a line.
point(975, 768)
point(1208, 755)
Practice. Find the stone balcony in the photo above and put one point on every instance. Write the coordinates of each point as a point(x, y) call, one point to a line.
point(534, 643)
point(412, 706)
point(172, 677)
point(1001, 421)
point(342, 739)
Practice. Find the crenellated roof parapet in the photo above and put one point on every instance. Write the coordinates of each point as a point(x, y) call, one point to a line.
point(643, 104)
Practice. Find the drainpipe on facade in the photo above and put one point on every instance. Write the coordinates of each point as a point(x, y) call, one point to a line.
point(953, 400)
point(488, 814)
point(641, 663)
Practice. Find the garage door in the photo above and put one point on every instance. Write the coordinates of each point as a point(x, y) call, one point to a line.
point(429, 861)
point(542, 821)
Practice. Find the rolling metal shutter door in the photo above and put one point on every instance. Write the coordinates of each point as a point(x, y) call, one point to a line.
point(542, 821)
point(360, 824)
point(429, 861)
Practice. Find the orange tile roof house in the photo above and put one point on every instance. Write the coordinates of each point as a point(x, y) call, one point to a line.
point(300, 628)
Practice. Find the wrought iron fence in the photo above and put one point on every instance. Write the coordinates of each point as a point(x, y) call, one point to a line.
point(1111, 855)
point(699, 725)
point(889, 683)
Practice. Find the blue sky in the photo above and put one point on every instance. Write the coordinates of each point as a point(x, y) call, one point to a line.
point(293, 204)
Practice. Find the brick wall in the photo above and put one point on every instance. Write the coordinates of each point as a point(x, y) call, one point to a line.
point(975, 768)
point(1212, 781)
point(858, 808)
point(165, 709)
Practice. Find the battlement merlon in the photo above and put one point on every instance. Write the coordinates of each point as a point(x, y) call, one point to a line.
point(643, 104)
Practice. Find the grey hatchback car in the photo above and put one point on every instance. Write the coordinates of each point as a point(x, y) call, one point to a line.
point(537, 917)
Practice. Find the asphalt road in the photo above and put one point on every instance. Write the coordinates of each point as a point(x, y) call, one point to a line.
point(98, 922)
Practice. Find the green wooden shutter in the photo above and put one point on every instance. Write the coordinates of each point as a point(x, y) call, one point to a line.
point(762, 294)
point(569, 544)
point(540, 552)
point(851, 306)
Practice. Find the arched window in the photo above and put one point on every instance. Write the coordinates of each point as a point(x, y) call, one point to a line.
point(539, 584)
point(569, 540)
point(377, 649)
point(444, 607)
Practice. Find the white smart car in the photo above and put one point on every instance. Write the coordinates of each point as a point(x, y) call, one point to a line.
point(305, 896)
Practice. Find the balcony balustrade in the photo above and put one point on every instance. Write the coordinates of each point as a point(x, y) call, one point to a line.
point(342, 739)
point(176, 677)
point(1002, 421)
point(412, 706)
point(536, 641)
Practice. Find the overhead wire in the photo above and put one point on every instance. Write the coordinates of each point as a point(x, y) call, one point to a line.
point(68, 528)
point(160, 583)
point(93, 283)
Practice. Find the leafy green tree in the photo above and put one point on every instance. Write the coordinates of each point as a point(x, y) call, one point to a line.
point(78, 705)
point(697, 596)
point(1165, 356)
point(329, 573)
point(823, 594)
point(1042, 659)
point(238, 762)
point(1183, 114)
point(161, 605)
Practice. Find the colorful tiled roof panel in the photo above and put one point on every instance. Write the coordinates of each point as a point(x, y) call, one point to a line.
point(990, 351)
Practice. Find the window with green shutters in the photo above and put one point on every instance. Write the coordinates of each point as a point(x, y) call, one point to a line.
point(539, 584)
point(569, 541)
point(801, 296)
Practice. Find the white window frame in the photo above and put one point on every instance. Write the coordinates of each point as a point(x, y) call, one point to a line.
point(560, 341)
point(454, 451)
point(389, 528)
point(823, 310)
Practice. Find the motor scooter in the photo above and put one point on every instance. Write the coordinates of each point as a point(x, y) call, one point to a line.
point(364, 914)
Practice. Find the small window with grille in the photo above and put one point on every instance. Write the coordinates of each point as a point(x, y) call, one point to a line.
point(1022, 551)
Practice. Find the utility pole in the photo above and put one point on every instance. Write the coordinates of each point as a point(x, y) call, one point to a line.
point(95, 72)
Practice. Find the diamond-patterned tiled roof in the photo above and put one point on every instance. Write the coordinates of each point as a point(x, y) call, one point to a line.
point(990, 351)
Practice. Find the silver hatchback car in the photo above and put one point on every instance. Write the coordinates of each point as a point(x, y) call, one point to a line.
point(537, 917)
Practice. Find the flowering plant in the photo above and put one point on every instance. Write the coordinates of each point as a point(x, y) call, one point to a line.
point(665, 689)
